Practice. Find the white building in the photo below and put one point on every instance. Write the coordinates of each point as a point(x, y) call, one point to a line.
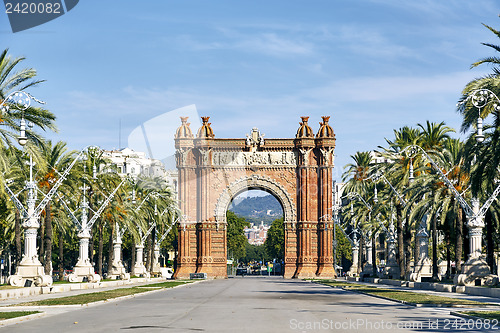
point(256, 235)
point(136, 163)
point(378, 158)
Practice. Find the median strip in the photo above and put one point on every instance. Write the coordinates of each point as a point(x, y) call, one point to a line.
point(406, 297)
point(15, 314)
point(491, 315)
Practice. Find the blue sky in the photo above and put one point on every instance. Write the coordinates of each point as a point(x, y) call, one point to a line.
point(372, 65)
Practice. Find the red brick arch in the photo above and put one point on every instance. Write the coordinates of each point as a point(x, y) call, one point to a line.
point(298, 172)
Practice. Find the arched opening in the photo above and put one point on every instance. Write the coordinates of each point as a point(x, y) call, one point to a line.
point(255, 233)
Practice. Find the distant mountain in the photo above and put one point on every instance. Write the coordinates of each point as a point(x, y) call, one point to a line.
point(257, 209)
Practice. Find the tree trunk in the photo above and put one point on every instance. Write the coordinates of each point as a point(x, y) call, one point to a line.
point(132, 261)
point(110, 247)
point(17, 231)
point(91, 240)
point(41, 249)
point(400, 255)
point(91, 247)
point(407, 247)
point(360, 253)
point(148, 255)
point(100, 248)
point(490, 246)
point(416, 249)
point(374, 255)
point(48, 240)
point(61, 255)
point(448, 258)
point(151, 255)
point(175, 251)
point(459, 231)
point(434, 248)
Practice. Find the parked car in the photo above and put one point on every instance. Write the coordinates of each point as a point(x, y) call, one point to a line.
point(166, 272)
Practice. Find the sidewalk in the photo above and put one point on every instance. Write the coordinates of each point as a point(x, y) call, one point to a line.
point(7, 305)
point(20, 295)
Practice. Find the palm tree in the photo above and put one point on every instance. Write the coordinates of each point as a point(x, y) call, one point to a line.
point(56, 158)
point(14, 79)
point(398, 175)
point(489, 81)
point(484, 172)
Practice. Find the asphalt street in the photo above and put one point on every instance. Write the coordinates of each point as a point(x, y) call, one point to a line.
point(247, 304)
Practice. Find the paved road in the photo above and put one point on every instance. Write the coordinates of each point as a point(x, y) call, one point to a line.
point(249, 304)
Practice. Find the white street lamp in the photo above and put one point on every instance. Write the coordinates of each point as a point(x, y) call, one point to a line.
point(475, 267)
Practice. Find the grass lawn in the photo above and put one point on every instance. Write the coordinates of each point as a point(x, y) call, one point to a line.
point(484, 314)
point(398, 295)
point(103, 295)
point(15, 314)
point(167, 284)
point(7, 286)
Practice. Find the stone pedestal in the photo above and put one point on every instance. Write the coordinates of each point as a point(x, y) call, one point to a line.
point(156, 259)
point(368, 267)
point(423, 267)
point(83, 270)
point(30, 268)
point(475, 270)
point(391, 268)
point(117, 270)
point(139, 269)
point(353, 271)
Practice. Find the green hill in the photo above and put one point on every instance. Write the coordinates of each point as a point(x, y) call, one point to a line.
point(257, 209)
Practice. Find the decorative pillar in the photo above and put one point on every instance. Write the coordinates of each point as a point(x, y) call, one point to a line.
point(423, 267)
point(205, 224)
point(325, 143)
point(156, 259)
point(30, 268)
point(306, 267)
point(290, 249)
point(368, 267)
point(186, 246)
point(391, 268)
point(117, 270)
point(353, 271)
point(83, 271)
point(476, 269)
point(139, 269)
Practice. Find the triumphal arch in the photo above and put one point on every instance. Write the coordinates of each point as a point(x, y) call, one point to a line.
point(297, 171)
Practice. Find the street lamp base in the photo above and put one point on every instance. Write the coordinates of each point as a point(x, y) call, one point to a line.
point(140, 271)
point(27, 274)
point(367, 270)
point(353, 271)
point(84, 273)
point(391, 270)
point(475, 271)
point(118, 271)
point(423, 268)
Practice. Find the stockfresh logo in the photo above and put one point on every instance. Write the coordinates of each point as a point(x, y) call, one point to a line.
point(26, 14)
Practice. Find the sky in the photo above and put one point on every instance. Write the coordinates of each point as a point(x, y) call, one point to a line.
point(372, 65)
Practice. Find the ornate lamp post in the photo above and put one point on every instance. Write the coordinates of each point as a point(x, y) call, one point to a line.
point(368, 268)
point(29, 270)
point(84, 270)
point(392, 268)
point(475, 267)
point(139, 269)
